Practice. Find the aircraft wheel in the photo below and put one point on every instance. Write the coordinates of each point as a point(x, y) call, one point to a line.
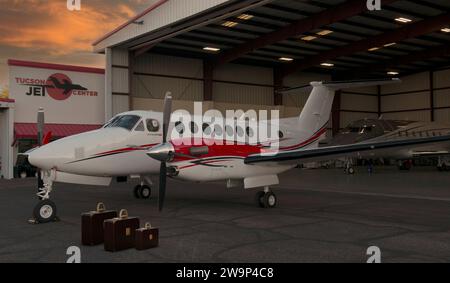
point(145, 192)
point(351, 170)
point(45, 211)
point(270, 200)
point(136, 191)
point(259, 199)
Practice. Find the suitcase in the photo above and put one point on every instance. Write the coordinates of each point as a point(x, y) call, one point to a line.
point(120, 232)
point(92, 225)
point(147, 238)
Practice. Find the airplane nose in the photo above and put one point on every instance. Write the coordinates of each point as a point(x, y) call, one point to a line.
point(41, 158)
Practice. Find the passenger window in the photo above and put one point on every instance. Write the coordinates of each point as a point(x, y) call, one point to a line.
point(229, 131)
point(140, 127)
point(194, 128)
point(207, 129)
point(239, 131)
point(218, 130)
point(179, 126)
point(152, 125)
point(249, 132)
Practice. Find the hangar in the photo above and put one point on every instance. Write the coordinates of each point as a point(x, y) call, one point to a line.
point(240, 54)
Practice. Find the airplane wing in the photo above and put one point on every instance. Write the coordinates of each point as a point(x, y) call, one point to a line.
point(360, 150)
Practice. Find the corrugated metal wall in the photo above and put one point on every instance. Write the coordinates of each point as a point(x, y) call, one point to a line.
point(442, 96)
point(120, 84)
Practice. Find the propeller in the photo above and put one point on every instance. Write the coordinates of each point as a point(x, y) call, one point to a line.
point(163, 152)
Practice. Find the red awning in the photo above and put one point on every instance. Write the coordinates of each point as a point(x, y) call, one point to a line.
point(29, 130)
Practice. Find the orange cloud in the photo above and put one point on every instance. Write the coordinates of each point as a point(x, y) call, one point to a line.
point(49, 25)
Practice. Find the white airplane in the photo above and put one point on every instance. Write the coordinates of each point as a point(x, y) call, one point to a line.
point(136, 144)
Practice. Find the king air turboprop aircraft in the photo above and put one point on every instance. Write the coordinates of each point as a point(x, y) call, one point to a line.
point(137, 143)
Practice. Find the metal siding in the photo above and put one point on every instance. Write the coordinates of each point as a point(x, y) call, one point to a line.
point(166, 14)
point(119, 57)
point(411, 83)
point(359, 102)
point(245, 74)
point(442, 79)
point(242, 94)
point(348, 117)
point(442, 98)
point(156, 87)
point(408, 101)
point(442, 115)
point(120, 80)
point(410, 116)
point(120, 104)
point(169, 65)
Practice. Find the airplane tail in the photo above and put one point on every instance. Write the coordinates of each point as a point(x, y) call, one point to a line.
point(313, 120)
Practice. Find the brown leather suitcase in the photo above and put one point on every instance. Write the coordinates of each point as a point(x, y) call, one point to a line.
point(92, 225)
point(147, 238)
point(120, 232)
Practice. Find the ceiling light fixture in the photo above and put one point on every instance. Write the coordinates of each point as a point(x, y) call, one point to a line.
point(392, 73)
point(390, 44)
point(327, 64)
point(229, 24)
point(245, 17)
point(374, 49)
point(403, 20)
point(212, 49)
point(286, 59)
point(446, 30)
point(309, 37)
point(324, 32)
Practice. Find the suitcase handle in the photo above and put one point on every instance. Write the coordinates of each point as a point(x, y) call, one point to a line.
point(123, 213)
point(148, 225)
point(101, 207)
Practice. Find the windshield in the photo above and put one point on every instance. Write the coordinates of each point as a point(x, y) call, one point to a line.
point(125, 121)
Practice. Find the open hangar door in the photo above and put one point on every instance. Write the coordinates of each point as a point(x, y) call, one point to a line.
point(6, 134)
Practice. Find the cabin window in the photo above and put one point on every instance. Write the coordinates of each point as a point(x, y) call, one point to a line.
point(126, 121)
point(280, 134)
point(229, 131)
point(207, 129)
point(152, 125)
point(218, 130)
point(239, 131)
point(249, 132)
point(140, 127)
point(179, 127)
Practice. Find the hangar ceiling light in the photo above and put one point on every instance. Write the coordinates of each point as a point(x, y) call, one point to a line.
point(390, 44)
point(309, 38)
point(393, 73)
point(212, 49)
point(374, 49)
point(245, 17)
point(229, 24)
point(286, 59)
point(324, 32)
point(403, 20)
point(446, 30)
point(327, 64)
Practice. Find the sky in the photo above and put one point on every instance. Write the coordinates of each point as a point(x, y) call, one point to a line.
point(46, 31)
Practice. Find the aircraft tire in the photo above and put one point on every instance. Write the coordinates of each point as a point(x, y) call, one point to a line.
point(270, 200)
point(351, 171)
point(136, 191)
point(45, 211)
point(145, 192)
point(259, 199)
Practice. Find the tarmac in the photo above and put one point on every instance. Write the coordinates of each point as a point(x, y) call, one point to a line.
point(322, 216)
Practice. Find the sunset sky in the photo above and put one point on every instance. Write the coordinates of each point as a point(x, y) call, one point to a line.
point(46, 31)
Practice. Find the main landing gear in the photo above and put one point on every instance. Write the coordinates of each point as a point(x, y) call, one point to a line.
point(266, 198)
point(45, 210)
point(143, 191)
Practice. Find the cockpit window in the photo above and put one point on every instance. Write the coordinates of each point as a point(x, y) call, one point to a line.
point(140, 127)
point(125, 121)
point(111, 121)
point(152, 125)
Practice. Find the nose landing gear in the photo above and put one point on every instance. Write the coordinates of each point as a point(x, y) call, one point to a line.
point(143, 191)
point(45, 210)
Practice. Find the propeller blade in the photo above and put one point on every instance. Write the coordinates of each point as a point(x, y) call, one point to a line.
point(166, 115)
point(162, 185)
point(40, 125)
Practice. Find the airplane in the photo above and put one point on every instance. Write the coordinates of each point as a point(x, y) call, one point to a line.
point(137, 143)
point(67, 86)
point(377, 130)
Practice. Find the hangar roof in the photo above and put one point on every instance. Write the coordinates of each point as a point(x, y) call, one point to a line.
point(332, 36)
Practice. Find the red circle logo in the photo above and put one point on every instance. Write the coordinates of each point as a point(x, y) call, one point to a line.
point(59, 86)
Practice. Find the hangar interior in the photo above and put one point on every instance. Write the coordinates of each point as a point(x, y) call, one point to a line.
point(240, 54)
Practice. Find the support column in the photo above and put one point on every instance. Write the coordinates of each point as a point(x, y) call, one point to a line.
point(379, 101)
point(108, 84)
point(131, 63)
point(432, 114)
point(208, 75)
point(278, 85)
point(336, 113)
